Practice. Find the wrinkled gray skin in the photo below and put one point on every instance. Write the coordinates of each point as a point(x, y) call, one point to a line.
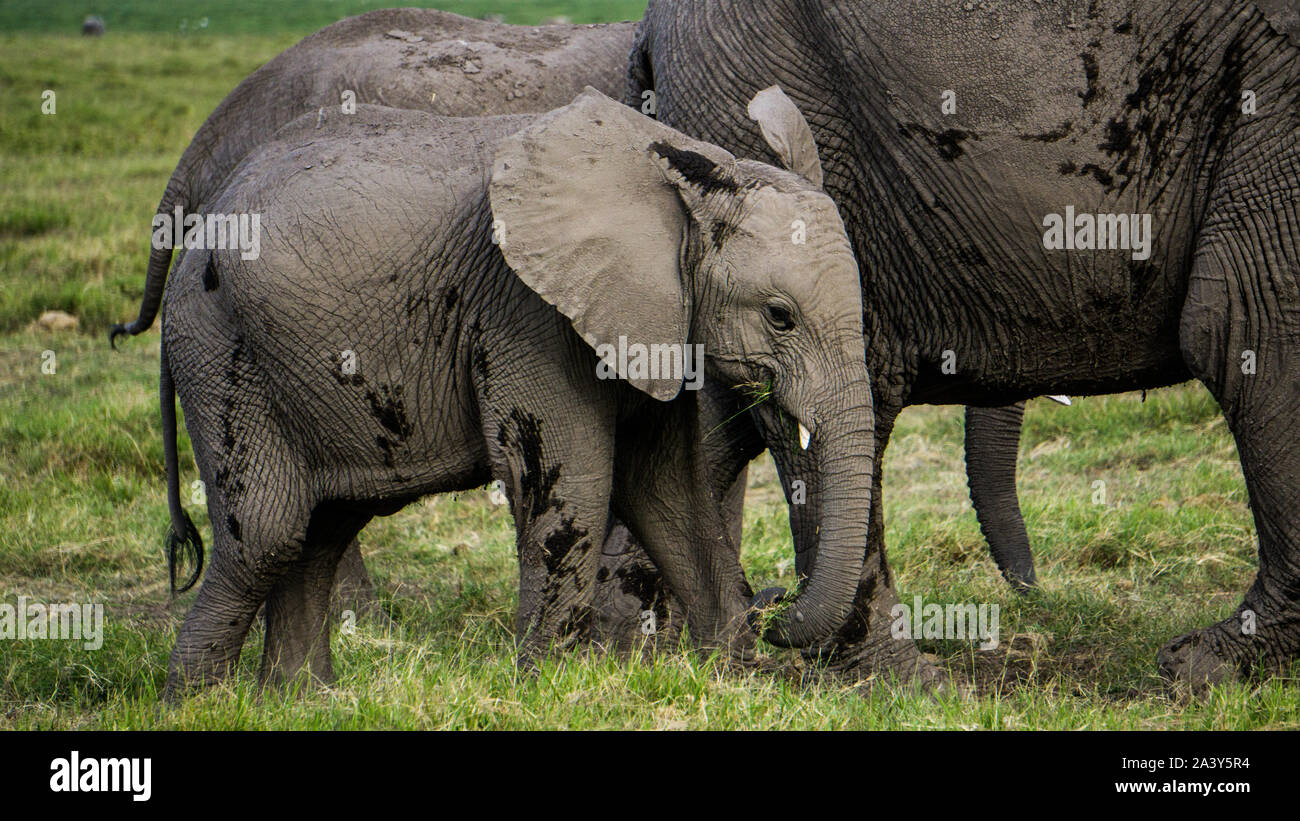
point(521, 69)
point(992, 446)
point(474, 361)
point(419, 59)
point(1114, 106)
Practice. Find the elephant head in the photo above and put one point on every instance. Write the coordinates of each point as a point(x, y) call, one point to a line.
point(639, 234)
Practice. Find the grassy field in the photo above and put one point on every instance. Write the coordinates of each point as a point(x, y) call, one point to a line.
point(222, 18)
point(82, 511)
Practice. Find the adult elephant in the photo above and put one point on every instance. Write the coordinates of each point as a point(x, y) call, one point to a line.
point(957, 142)
point(446, 64)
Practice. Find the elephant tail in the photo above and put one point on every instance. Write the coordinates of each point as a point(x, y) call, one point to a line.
point(182, 536)
point(160, 259)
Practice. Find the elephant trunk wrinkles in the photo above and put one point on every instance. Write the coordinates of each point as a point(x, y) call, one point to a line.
point(992, 444)
point(844, 448)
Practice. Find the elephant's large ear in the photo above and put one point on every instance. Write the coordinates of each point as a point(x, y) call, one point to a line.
point(787, 132)
point(591, 223)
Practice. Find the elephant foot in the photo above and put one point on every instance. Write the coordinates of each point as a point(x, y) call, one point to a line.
point(1192, 661)
point(1244, 644)
point(1247, 644)
point(189, 675)
point(282, 678)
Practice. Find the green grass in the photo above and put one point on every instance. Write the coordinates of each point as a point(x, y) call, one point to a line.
point(223, 18)
point(82, 510)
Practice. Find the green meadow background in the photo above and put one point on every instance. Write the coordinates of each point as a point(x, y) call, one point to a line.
point(82, 510)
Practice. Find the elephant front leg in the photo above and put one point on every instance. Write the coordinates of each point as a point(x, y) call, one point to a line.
point(1262, 636)
point(662, 490)
point(634, 606)
point(1240, 337)
point(557, 471)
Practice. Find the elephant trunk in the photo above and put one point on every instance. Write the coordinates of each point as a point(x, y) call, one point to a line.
point(843, 445)
point(992, 444)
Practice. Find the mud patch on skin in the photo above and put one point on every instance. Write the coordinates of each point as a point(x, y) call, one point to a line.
point(561, 542)
point(855, 627)
point(1145, 141)
point(578, 623)
point(478, 364)
point(521, 434)
point(449, 300)
point(646, 586)
point(210, 278)
point(1101, 175)
point(435, 311)
point(1119, 138)
point(947, 143)
point(719, 232)
point(1091, 74)
point(386, 447)
point(344, 378)
point(389, 410)
point(1055, 135)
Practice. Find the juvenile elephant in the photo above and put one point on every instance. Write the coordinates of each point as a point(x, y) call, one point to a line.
point(421, 59)
point(422, 317)
point(443, 63)
point(1054, 197)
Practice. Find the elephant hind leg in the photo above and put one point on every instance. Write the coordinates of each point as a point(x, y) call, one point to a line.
point(249, 555)
point(298, 607)
point(1241, 336)
point(259, 511)
point(213, 632)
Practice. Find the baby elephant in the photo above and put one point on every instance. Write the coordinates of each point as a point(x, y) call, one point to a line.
point(438, 303)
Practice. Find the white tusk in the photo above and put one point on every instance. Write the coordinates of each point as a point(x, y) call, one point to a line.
point(1064, 400)
point(805, 436)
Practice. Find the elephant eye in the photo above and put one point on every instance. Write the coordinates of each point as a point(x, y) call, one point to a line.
point(779, 316)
